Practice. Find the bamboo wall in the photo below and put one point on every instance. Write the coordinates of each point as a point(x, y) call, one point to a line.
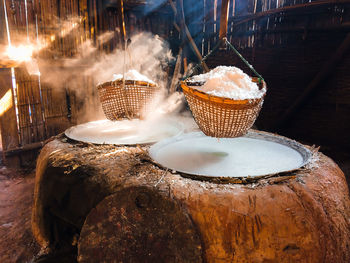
point(42, 110)
point(287, 41)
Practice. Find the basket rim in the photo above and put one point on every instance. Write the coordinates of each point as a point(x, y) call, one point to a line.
point(225, 100)
point(118, 82)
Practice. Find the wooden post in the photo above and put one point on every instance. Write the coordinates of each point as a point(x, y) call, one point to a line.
point(177, 69)
point(122, 22)
point(8, 121)
point(3, 36)
point(223, 19)
point(189, 37)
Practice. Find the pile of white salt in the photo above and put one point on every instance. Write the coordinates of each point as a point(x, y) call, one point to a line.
point(132, 74)
point(229, 82)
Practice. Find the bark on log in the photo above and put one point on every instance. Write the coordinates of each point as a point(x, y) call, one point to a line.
point(138, 224)
point(298, 217)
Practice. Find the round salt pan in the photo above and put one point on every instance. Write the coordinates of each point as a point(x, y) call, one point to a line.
point(255, 154)
point(125, 132)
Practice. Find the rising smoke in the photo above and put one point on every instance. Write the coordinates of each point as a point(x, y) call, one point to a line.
point(146, 53)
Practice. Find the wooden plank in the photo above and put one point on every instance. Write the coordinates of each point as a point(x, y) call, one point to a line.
point(21, 149)
point(3, 35)
point(8, 122)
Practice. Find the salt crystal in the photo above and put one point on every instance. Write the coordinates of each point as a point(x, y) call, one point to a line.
point(132, 74)
point(229, 82)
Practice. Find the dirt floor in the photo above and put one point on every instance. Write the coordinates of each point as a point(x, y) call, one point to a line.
point(16, 196)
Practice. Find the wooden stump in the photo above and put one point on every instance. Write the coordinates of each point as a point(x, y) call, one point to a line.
point(302, 216)
point(138, 224)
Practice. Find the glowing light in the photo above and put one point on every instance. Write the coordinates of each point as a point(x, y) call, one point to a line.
point(20, 53)
point(6, 102)
point(52, 38)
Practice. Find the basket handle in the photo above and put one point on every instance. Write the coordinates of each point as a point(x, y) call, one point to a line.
point(223, 36)
point(223, 43)
point(261, 79)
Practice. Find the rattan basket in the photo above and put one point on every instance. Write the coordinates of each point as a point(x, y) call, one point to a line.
point(131, 100)
point(222, 117)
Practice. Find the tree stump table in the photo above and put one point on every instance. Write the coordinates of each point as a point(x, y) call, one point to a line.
point(114, 204)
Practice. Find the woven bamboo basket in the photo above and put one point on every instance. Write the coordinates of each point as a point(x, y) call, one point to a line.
point(131, 100)
point(222, 117)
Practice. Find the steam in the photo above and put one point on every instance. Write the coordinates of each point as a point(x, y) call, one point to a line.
point(164, 106)
point(146, 53)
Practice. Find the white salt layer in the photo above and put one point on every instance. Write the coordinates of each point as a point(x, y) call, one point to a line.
point(132, 74)
point(125, 132)
point(229, 82)
point(195, 153)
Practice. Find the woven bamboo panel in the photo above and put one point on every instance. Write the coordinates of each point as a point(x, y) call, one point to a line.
point(30, 115)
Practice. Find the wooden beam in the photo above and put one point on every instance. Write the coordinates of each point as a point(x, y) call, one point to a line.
point(122, 22)
point(8, 120)
point(9, 63)
point(27, 147)
point(224, 18)
point(245, 19)
point(177, 69)
point(173, 6)
point(325, 71)
point(193, 44)
point(345, 27)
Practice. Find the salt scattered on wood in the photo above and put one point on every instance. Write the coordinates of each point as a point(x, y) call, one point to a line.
point(132, 74)
point(229, 82)
point(314, 161)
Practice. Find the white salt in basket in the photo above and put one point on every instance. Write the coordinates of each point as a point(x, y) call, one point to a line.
point(222, 117)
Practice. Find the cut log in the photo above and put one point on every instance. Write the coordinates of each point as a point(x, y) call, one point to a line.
point(302, 216)
point(138, 224)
